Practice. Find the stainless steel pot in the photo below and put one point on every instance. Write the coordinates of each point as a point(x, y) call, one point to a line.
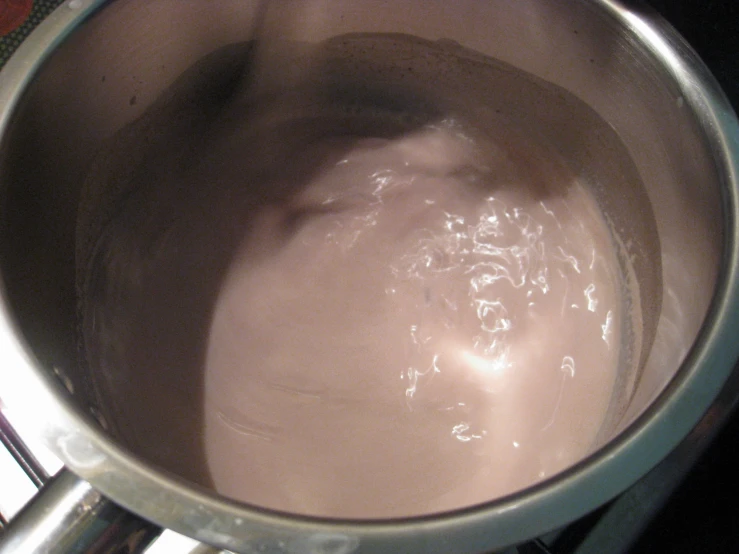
point(94, 66)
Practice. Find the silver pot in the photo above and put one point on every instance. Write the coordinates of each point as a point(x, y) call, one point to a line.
point(94, 66)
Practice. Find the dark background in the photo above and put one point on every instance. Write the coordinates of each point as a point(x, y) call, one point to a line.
point(712, 28)
point(703, 515)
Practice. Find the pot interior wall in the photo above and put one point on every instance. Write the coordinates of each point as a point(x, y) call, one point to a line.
point(663, 202)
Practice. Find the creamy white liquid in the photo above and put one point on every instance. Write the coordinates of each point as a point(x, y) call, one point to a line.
point(436, 328)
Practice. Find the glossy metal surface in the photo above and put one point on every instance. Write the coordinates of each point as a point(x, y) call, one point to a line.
point(71, 516)
point(624, 62)
point(68, 515)
point(21, 454)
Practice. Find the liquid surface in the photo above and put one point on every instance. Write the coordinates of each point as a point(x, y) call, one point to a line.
point(434, 333)
point(346, 326)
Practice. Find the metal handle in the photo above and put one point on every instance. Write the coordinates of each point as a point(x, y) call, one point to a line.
point(69, 516)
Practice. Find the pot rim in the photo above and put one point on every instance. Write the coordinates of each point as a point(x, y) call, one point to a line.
point(203, 515)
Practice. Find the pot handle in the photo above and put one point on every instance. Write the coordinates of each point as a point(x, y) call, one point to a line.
point(69, 516)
